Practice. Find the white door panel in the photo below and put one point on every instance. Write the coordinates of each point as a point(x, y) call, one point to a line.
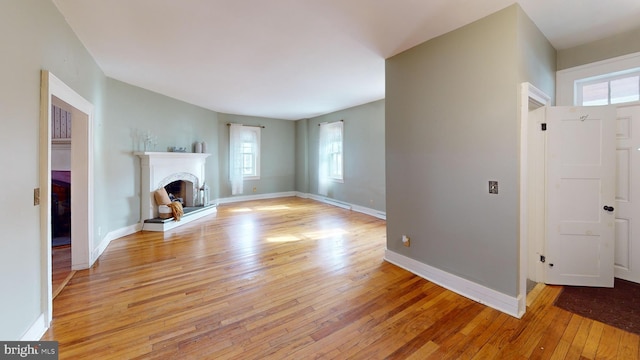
point(627, 243)
point(581, 165)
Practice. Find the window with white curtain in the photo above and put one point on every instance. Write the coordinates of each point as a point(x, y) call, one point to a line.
point(330, 162)
point(244, 155)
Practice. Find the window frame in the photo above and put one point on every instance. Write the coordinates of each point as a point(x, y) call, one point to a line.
point(605, 78)
point(566, 91)
point(254, 133)
point(335, 161)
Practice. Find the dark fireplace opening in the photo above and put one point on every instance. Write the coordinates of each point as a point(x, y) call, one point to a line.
point(179, 190)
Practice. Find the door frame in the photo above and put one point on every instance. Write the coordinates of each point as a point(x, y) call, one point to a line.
point(82, 216)
point(530, 98)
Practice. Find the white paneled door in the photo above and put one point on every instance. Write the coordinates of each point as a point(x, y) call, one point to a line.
point(581, 182)
point(627, 243)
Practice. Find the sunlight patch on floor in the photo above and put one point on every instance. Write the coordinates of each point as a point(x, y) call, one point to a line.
point(284, 238)
point(272, 208)
point(323, 234)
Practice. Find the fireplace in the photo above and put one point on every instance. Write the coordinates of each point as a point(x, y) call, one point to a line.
point(183, 187)
point(161, 169)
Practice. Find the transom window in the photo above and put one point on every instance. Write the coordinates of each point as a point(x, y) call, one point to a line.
point(608, 89)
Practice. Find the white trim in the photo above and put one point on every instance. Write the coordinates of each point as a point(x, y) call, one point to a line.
point(302, 195)
point(330, 201)
point(527, 92)
point(345, 205)
point(565, 79)
point(81, 184)
point(372, 212)
point(112, 235)
point(476, 292)
point(36, 330)
point(240, 198)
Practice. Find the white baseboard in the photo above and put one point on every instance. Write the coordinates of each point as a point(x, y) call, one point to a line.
point(240, 198)
point(361, 209)
point(372, 212)
point(36, 330)
point(112, 235)
point(330, 201)
point(482, 294)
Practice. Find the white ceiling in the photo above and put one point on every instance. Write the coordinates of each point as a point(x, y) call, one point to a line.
point(294, 59)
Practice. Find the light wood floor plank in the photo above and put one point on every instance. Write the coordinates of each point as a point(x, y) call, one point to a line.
point(296, 279)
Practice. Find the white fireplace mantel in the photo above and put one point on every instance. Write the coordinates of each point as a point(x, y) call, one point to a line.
point(157, 166)
point(152, 155)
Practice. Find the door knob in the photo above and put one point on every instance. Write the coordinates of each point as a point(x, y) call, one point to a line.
point(608, 208)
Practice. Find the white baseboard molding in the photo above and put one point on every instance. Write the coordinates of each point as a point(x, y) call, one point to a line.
point(36, 330)
point(112, 235)
point(345, 205)
point(240, 198)
point(482, 294)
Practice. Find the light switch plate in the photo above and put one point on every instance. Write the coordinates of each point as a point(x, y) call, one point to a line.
point(493, 187)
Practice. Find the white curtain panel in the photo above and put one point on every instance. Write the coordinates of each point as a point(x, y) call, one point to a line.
point(323, 159)
point(235, 159)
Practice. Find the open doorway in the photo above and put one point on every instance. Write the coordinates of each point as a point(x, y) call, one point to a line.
point(54, 91)
point(61, 127)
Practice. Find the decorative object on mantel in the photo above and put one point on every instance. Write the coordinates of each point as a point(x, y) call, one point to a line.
point(179, 149)
point(204, 147)
point(197, 147)
point(144, 140)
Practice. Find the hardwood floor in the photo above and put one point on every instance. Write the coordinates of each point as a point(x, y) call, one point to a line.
point(295, 279)
point(61, 271)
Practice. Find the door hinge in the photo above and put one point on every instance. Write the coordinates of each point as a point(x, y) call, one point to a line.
point(543, 126)
point(542, 258)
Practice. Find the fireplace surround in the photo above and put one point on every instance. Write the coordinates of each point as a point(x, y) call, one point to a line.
point(159, 169)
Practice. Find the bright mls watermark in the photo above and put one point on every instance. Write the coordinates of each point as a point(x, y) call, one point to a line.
point(29, 350)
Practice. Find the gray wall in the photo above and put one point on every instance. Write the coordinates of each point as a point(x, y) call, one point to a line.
point(34, 36)
point(277, 155)
point(175, 123)
point(451, 126)
point(364, 162)
point(302, 156)
point(536, 56)
point(612, 46)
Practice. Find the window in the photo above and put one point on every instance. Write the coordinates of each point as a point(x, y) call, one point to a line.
point(244, 155)
point(608, 89)
point(250, 157)
point(330, 162)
